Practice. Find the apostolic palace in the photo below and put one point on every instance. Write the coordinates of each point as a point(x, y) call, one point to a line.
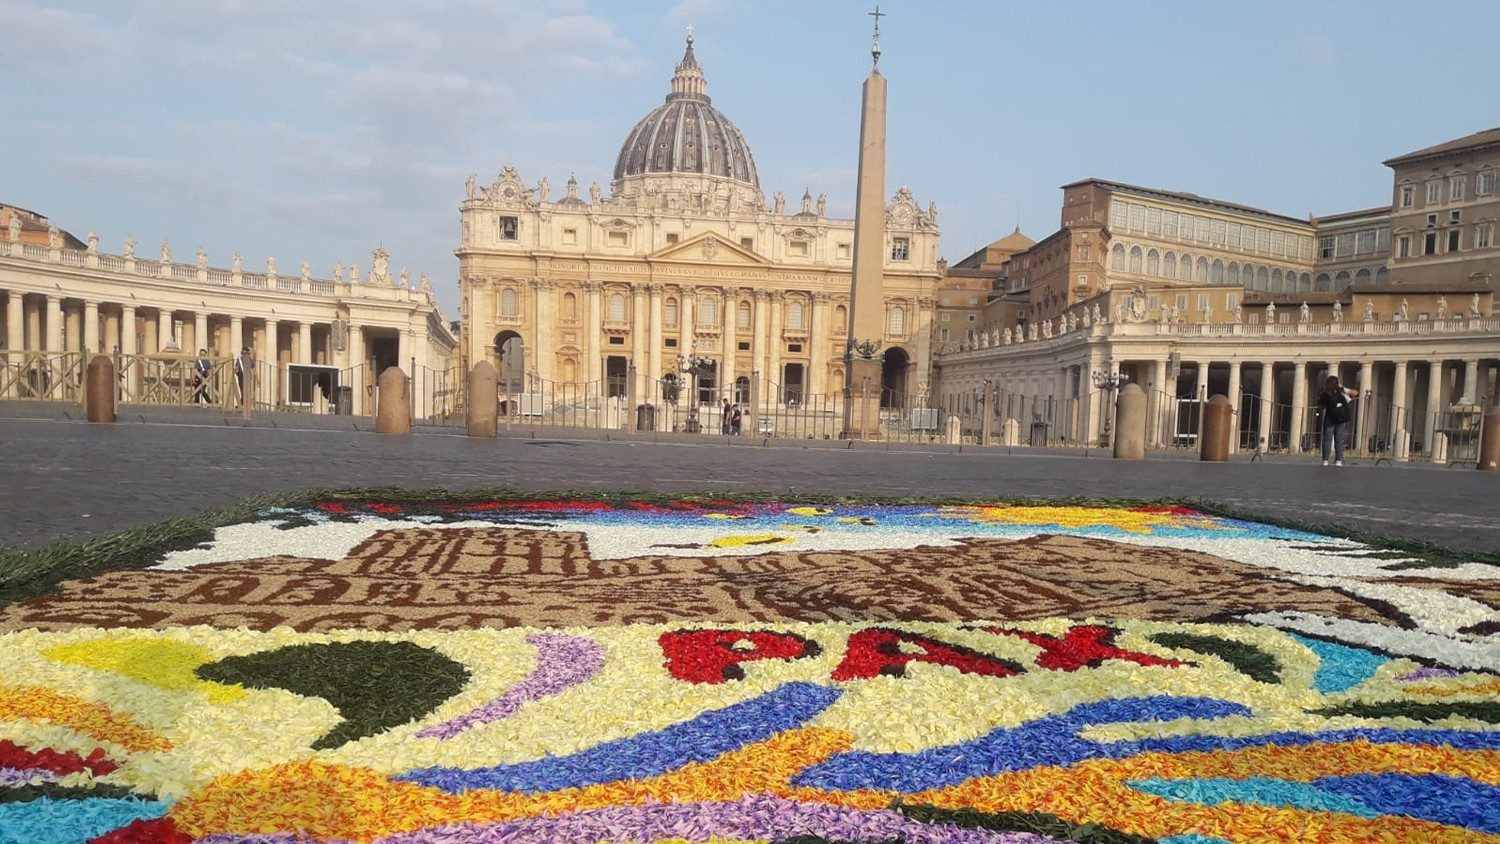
point(682, 286)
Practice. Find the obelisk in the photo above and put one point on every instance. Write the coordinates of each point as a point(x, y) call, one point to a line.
point(862, 356)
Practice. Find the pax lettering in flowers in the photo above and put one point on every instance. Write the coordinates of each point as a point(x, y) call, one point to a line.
point(713, 656)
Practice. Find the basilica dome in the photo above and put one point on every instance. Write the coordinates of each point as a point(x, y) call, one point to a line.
point(687, 135)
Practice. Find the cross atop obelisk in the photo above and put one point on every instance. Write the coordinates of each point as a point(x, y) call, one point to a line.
point(862, 356)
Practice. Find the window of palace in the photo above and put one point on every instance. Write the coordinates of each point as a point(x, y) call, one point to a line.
point(1403, 246)
point(1201, 272)
point(708, 310)
point(1408, 195)
point(1153, 221)
point(670, 312)
point(1117, 257)
point(1484, 235)
point(1202, 301)
point(748, 243)
point(900, 249)
point(570, 237)
point(1181, 302)
point(1344, 246)
point(1484, 183)
point(1169, 224)
point(1383, 239)
point(794, 316)
point(510, 303)
point(1454, 236)
point(618, 238)
point(510, 228)
point(1232, 236)
point(897, 325)
point(1434, 192)
point(1431, 219)
point(1325, 247)
point(797, 248)
point(1135, 259)
point(1456, 189)
point(742, 315)
point(1429, 243)
point(1252, 318)
point(1454, 216)
point(1231, 300)
point(1083, 253)
point(617, 307)
point(673, 238)
point(1365, 242)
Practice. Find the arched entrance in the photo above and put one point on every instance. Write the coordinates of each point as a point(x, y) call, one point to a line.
point(510, 361)
point(893, 377)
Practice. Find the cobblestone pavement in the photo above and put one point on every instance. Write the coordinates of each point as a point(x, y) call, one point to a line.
point(64, 479)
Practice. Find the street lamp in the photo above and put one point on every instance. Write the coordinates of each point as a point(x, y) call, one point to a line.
point(694, 366)
point(1109, 382)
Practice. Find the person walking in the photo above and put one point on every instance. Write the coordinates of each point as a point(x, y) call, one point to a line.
point(734, 420)
point(724, 413)
point(1334, 403)
point(202, 368)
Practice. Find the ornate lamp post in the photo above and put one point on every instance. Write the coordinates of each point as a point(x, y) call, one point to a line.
point(692, 366)
point(1109, 382)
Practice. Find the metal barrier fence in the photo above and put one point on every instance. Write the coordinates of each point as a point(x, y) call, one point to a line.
point(42, 376)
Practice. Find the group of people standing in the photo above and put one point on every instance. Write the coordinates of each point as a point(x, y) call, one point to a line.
point(729, 421)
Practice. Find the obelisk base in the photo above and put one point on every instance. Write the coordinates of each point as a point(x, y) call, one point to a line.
point(862, 401)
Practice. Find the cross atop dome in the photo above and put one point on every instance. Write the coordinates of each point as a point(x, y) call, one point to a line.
point(689, 77)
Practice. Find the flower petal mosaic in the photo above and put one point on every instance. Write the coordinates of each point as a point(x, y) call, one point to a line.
point(517, 670)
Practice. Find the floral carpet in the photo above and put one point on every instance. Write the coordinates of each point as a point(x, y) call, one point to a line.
point(356, 669)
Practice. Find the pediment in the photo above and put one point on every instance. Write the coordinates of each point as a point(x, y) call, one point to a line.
point(709, 248)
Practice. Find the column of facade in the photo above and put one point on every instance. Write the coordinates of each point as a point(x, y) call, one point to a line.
point(164, 331)
point(1471, 390)
point(819, 339)
point(270, 372)
point(360, 375)
point(727, 313)
point(1299, 405)
point(129, 347)
point(201, 339)
point(541, 301)
point(304, 342)
point(774, 344)
point(653, 351)
point(594, 334)
point(687, 302)
point(1434, 403)
point(54, 324)
point(91, 327)
point(1087, 417)
point(1234, 406)
point(73, 328)
point(758, 344)
point(640, 327)
point(1200, 395)
point(1267, 397)
point(236, 334)
point(112, 331)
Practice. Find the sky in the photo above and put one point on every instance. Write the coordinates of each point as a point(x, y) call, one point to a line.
point(321, 130)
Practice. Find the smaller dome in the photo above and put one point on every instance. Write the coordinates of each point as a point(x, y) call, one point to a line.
point(686, 134)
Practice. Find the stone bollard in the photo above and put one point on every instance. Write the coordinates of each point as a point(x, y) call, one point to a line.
point(393, 407)
point(1489, 441)
point(954, 430)
point(99, 389)
point(1130, 423)
point(484, 400)
point(1218, 422)
point(1010, 432)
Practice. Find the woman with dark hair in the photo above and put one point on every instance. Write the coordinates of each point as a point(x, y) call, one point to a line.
point(1334, 404)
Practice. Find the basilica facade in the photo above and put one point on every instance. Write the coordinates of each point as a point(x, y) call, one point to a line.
point(683, 267)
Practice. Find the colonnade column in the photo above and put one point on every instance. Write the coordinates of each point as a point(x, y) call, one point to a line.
point(304, 342)
point(236, 334)
point(73, 328)
point(34, 339)
point(1361, 418)
point(1234, 406)
point(1434, 402)
point(270, 389)
point(54, 324)
point(1154, 403)
point(15, 322)
point(640, 327)
point(361, 377)
point(91, 327)
point(1299, 406)
point(1086, 416)
point(653, 352)
point(817, 338)
point(1400, 418)
point(1471, 381)
point(129, 347)
point(1200, 395)
point(1267, 396)
point(164, 330)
